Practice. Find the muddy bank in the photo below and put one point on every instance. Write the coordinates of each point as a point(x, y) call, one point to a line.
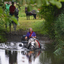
point(16, 36)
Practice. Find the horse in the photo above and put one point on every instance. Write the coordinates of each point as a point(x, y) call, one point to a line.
point(28, 14)
point(33, 44)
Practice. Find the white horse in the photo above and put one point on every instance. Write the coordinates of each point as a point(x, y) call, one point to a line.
point(33, 43)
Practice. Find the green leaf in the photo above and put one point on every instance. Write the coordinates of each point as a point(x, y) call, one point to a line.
point(58, 4)
point(52, 2)
point(31, 1)
point(61, 0)
point(21, 2)
point(39, 3)
point(27, 1)
point(47, 2)
point(5, 15)
point(58, 51)
point(1, 10)
point(44, 2)
point(14, 19)
point(30, 8)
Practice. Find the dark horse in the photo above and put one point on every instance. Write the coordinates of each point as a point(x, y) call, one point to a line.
point(28, 14)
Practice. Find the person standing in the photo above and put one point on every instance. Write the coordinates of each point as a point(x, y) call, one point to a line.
point(7, 7)
point(12, 12)
point(12, 9)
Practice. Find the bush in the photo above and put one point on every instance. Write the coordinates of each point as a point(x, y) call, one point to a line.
point(59, 33)
point(54, 25)
point(48, 13)
point(5, 18)
point(2, 36)
point(22, 12)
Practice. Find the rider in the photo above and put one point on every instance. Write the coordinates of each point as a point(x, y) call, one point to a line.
point(30, 34)
point(7, 7)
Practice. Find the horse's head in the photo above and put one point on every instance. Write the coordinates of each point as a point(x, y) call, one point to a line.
point(26, 9)
point(32, 43)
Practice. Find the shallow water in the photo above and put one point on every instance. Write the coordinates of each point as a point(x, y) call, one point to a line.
point(23, 56)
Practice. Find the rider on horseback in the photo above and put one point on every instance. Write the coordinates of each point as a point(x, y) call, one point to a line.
point(30, 35)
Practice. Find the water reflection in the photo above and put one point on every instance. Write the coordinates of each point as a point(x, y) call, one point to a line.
point(45, 59)
point(30, 57)
point(12, 56)
point(24, 57)
point(3, 58)
point(19, 57)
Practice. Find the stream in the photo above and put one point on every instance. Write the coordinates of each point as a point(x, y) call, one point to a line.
point(23, 56)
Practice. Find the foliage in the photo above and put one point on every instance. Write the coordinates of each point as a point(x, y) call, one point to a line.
point(59, 33)
point(22, 12)
point(54, 25)
point(2, 36)
point(38, 27)
point(5, 19)
point(38, 3)
point(48, 13)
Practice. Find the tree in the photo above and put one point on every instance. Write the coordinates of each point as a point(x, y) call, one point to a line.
point(38, 3)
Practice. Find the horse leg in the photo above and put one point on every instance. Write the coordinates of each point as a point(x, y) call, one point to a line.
point(27, 17)
point(34, 16)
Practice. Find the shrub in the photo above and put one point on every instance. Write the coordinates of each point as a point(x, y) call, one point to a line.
point(54, 25)
point(59, 33)
point(48, 14)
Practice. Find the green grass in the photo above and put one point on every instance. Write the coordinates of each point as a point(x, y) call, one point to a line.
point(36, 24)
